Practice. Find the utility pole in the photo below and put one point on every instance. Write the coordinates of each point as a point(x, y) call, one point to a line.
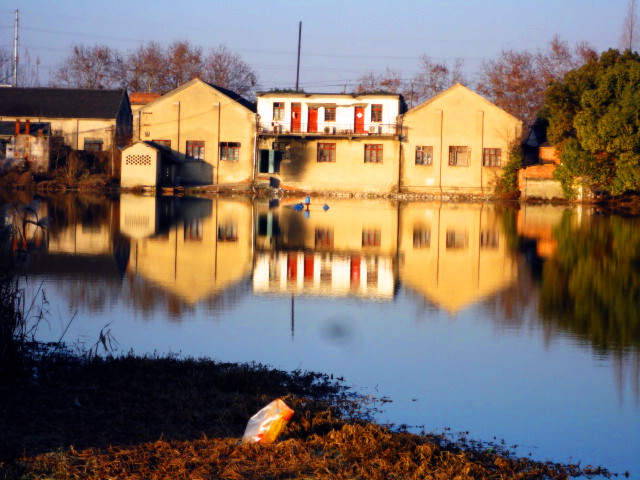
point(299, 40)
point(15, 52)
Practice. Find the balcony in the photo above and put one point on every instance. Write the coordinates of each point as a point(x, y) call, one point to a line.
point(328, 129)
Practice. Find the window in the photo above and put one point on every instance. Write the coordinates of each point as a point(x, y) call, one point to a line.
point(164, 143)
point(228, 232)
point(324, 238)
point(329, 114)
point(195, 149)
point(326, 152)
point(424, 155)
point(492, 157)
point(283, 147)
point(459, 156)
point(489, 239)
point(92, 145)
point(278, 111)
point(230, 151)
point(373, 153)
point(421, 237)
point(376, 113)
point(371, 238)
point(193, 230)
point(457, 239)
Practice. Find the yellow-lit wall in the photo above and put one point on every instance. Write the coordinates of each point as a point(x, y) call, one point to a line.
point(134, 173)
point(197, 111)
point(453, 274)
point(456, 117)
point(349, 173)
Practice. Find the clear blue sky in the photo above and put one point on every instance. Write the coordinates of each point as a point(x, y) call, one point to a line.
point(341, 39)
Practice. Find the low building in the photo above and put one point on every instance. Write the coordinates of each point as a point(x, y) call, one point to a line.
point(149, 164)
point(457, 141)
point(25, 145)
point(340, 142)
point(90, 120)
point(210, 129)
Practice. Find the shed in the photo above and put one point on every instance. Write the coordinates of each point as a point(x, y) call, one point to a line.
point(149, 164)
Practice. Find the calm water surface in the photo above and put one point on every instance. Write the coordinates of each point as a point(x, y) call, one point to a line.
point(522, 325)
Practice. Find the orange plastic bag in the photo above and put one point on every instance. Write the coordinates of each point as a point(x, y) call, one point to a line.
point(266, 425)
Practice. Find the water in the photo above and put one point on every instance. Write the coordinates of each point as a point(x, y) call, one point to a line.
point(521, 325)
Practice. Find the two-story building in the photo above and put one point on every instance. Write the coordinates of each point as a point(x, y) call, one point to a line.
point(340, 142)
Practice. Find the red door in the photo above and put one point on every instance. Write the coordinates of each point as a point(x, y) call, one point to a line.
point(312, 125)
point(355, 270)
point(296, 117)
point(358, 121)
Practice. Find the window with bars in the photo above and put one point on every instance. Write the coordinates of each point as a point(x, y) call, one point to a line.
point(376, 112)
point(459, 156)
point(326, 152)
point(92, 145)
point(329, 114)
point(278, 111)
point(371, 238)
point(193, 230)
point(230, 151)
point(324, 238)
point(424, 155)
point(195, 149)
point(373, 153)
point(283, 147)
point(489, 239)
point(457, 239)
point(421, 237)
point(492, 157)
point(164, 143)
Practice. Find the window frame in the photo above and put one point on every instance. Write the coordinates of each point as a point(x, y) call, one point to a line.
point(91, 142)
point(226, 148)
point(455, 151)
point(164, 143)
point(195, 146)
point(330, 113)
point(492, 157)
point(326, 152)
point(373, 152)
point(278, 111)
point(376, 113)
point(421, 150)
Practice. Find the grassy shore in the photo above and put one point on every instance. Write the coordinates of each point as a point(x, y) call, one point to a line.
point(70, 417)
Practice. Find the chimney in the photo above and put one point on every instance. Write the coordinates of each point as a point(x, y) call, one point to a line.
point(26, 127)
point(17, 126)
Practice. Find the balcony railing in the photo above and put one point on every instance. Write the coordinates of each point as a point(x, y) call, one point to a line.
point(328, 129)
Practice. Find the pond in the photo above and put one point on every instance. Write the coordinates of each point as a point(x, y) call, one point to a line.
point(515, 324)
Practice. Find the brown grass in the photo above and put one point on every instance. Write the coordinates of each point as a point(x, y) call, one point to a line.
point(157, 418)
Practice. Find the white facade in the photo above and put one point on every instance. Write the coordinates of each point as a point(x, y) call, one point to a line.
point(375, 114)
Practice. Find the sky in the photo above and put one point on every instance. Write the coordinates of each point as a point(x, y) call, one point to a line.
point(341, 39)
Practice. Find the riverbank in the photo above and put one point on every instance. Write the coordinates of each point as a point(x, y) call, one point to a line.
point(165, 417)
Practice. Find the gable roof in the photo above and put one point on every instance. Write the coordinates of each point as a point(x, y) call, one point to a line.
point(225, 91)
point(457, 86)
point(60, 102)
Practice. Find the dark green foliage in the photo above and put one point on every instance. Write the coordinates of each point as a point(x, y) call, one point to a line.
point(508, 184)
point(594, 120)
point(592, 286)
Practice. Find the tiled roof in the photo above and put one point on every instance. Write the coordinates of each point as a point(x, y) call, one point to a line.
point(60, 102)
point(142, 98)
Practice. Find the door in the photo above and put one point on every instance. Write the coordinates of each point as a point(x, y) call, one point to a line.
point(358, 121)
point(296, 117)
point(312, 124)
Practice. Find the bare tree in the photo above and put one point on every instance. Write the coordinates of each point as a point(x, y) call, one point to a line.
point(183, 63)
point(226, 69)
point(434, 77)
point(97, 66)
point(146, 69)
point(630, 37)
point(5, 66)
point(389, 82)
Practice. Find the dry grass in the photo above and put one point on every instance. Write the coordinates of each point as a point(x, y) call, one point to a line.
point(157, 418)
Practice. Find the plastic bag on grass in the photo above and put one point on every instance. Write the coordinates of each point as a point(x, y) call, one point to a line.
point(266, 425)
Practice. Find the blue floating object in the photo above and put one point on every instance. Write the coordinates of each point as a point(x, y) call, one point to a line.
point(298, 207)
point(307, 200)
point(307, 213)
point(325, 207)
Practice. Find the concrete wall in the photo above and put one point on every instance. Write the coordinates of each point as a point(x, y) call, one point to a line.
point(140, 164)
point(197, 111)
point(456, 117)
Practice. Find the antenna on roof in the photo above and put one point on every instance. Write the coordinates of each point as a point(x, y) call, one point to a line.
point(299, 40)
point(15, 52)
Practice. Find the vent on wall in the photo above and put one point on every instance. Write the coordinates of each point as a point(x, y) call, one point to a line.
point(137, 160)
